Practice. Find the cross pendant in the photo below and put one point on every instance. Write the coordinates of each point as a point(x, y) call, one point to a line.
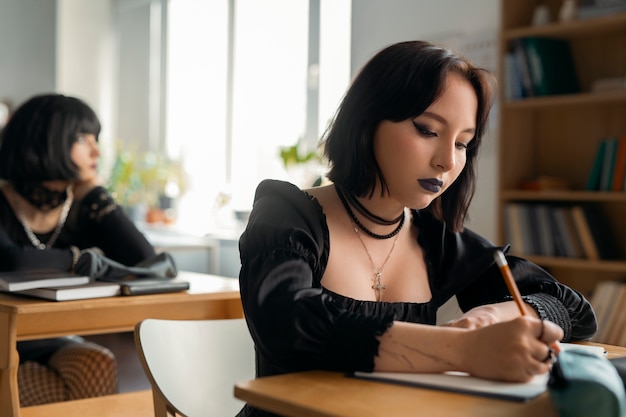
point(378, 286)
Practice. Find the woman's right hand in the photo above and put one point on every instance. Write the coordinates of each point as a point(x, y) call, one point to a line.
point(515, 350)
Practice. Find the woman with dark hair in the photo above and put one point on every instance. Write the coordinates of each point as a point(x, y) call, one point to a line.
point(52, 207)
point(349, 276)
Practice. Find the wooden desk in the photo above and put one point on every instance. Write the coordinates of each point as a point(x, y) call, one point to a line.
point(331, 394)
point(21, 318)
point(135, 404)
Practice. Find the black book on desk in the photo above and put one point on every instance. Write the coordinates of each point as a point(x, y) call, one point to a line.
point(94, 289)
point(135, 285)
point(25, 280)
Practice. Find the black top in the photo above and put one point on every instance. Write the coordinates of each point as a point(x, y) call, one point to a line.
point(298, 325)
point(96, 220)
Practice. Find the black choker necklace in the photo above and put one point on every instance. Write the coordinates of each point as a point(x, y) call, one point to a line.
point(356, 221)
point(371, 216)
point(40, 196)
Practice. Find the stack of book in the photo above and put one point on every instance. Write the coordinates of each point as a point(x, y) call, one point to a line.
point(63, 286)
point(57, 286)
point(609, 302)
point(539, 66)
point(608, 172)
point(571, 231)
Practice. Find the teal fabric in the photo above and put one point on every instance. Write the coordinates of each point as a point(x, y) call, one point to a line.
point(585, 384)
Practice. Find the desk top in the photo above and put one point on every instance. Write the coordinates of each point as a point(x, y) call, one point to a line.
point(136, 404)
point(201, 286)
point(332, 394)
point(209, 297)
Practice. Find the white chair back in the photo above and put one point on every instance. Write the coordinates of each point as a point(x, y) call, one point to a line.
point(193, 365)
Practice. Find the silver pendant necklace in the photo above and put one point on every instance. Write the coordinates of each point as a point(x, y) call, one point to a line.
point(57, 230)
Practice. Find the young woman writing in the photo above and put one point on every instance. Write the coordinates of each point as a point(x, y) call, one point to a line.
point(349, 276)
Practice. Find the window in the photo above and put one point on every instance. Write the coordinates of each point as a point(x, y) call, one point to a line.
point(245, 78)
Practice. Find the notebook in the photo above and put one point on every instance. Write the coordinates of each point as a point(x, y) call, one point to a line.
point(461, 382)
point(133, 285)
point(24, 280)
point(95, 289)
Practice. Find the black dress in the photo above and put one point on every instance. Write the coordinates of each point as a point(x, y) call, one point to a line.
point(94, 221)
point(298, 325)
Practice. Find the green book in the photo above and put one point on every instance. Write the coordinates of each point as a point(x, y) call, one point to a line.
point(551, 66)
point(593, 180)
point(606, 179)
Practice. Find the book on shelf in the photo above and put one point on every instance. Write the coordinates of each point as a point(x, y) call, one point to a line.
point(600, 300)
point(528, 237)
point(522, 70)
point(616, 319)
point(514, 234)
point(562, 245)
point(94, 289)
point(546, 237)
point(584, 231)
point(616, 332)
point(548, 229)
point(512, 83)
point(550, 65)
point(24, 280)
point(532, 228)
point(593, 179)
point(619, 166)
point(604, 302)
point(601, 232)
point(608, 169)
point(572, 238)
point(608, 163)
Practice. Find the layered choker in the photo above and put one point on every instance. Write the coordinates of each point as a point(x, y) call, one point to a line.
point(67, 204)
point(376, 219)
point(40, 196)
point(368, 214)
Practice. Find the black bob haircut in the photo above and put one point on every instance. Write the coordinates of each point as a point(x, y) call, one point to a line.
point(36, 143)
point(400, 82)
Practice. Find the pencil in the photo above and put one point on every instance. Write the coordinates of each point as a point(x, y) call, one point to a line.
point(512, 286)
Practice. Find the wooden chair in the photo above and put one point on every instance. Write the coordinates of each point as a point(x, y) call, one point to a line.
point(79, 369)
point(193, 365)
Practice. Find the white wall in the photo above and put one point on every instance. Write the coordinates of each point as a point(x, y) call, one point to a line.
point(27, 48)
point(85, 65)
point(377, 23)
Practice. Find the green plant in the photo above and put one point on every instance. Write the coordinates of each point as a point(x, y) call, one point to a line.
point(291, 155)
point(143, 177)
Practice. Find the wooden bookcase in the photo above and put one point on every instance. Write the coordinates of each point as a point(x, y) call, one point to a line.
point(557, 135)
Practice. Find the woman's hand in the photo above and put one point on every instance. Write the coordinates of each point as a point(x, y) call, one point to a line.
point(476, 318)
point(515, 350)
point(489, 314)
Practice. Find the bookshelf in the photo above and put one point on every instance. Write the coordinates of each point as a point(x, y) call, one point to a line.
point(557, 135)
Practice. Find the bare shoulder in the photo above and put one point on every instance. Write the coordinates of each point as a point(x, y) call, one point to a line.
point(323, 193)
